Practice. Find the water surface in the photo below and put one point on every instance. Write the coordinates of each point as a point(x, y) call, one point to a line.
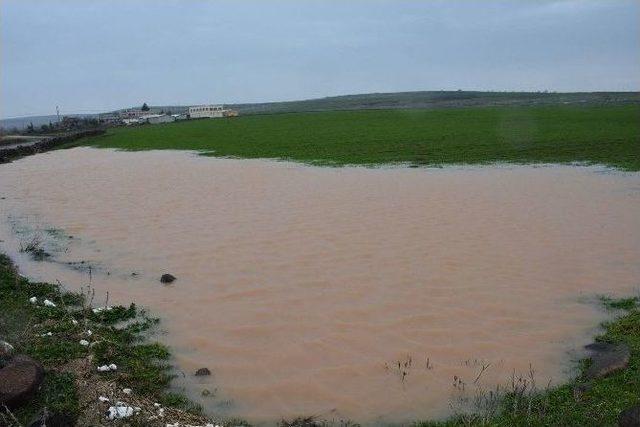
point(301, 288)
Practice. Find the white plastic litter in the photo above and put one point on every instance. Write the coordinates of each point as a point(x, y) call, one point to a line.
point(101, 309)
point(48, 334)
point(74, 321)
point(33, 300)
point(126, 390)
point(84, 342)
point(107, 368)
point(103, 399)
point(157, 405)
point(161, 412)
point(49, 303)
point(119, 411)
point(113, 367)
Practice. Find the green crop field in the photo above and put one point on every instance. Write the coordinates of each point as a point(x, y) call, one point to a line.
point(607, 135)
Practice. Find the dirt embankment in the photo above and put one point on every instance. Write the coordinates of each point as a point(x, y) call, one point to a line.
point(16, 151)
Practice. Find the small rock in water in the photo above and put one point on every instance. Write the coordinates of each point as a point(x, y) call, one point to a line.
point(203, 372)
point(167, 278)
point(607, 358)
point(630, 417)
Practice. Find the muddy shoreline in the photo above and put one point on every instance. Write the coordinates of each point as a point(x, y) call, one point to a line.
point(19, 150)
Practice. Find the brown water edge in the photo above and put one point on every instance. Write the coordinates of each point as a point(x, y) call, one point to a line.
point(302, 287)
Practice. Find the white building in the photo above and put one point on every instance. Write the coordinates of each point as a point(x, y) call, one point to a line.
point(206, 111)
point(133, 113)
point(156, 118)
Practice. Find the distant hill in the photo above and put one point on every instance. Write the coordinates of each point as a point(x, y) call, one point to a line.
point(396, 100)
point(437, 99)
point(427, 99)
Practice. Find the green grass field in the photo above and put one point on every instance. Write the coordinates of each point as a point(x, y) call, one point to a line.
point(551, 134)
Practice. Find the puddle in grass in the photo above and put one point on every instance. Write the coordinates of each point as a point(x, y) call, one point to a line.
point(302, 288)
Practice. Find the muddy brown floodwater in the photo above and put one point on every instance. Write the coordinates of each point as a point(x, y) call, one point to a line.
point(301, 288)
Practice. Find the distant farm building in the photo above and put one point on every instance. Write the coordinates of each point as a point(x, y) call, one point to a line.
point(210, 112)
point(133, 113)
point(156, 118)
point(206, 111)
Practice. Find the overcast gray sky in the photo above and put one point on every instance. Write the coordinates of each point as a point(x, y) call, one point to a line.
point(90, 55)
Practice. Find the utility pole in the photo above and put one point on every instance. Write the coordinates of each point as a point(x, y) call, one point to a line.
point(58, 113)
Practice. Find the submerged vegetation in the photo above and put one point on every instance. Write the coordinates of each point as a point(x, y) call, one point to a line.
point(608, 135)
point(582, 402)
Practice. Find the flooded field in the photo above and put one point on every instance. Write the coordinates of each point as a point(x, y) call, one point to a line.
point(339, 292)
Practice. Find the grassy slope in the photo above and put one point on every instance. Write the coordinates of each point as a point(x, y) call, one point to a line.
point(142, 365)
point(558, 134)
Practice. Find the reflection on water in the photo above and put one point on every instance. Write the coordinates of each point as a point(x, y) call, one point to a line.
point(302, 288)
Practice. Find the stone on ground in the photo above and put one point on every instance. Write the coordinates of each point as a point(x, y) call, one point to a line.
point(606, 359)
point(630, 417)
point(19, 380)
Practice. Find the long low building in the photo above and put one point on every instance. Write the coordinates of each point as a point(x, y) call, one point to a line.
point(210, 111)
